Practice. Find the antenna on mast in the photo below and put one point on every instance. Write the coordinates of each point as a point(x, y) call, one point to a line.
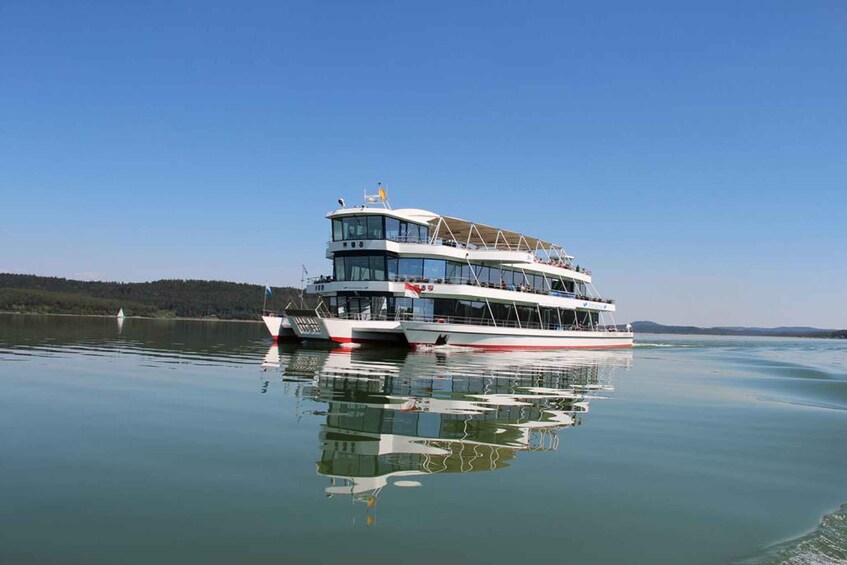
point(303, 274)
point(381, 197)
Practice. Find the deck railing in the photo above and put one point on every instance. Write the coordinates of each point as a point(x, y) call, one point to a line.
point(473, 282)
point(487, 321)
point(562, 264)
point(471, 321)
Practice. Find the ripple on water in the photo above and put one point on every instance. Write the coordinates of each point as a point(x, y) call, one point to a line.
point(826, 545)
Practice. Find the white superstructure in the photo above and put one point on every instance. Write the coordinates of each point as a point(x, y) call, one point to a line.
point(414, 276)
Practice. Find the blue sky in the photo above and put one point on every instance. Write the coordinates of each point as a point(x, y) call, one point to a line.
point(695, 157)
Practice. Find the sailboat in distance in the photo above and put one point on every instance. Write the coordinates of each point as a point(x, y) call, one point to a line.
point(121, 314)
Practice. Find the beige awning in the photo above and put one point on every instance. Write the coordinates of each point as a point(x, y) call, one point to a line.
point(471, 233)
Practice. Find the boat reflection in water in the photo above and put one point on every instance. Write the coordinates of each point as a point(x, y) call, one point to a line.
point(391, 420)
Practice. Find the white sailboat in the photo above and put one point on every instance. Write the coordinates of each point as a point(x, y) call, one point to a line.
point(121, 314)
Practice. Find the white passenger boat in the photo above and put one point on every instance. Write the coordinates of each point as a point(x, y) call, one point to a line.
point(417, 277)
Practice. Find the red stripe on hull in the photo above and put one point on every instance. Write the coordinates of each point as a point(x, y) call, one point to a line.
point(527, 347)
point(364, 341)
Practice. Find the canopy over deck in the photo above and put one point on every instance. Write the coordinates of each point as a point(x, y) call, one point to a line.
point(471, 233)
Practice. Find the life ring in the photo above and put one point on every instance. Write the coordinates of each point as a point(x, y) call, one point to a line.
point(440, 321)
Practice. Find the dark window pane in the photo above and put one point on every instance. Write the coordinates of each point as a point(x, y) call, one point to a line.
point(392, 228)
point(410, 267)
point(482, 273)
point(358, 268)
point(434, 269)
point(374, 227)
point(467, 277)
point(337, 230)
point(494, 276)
point(392, 269)
point(413, 233)
point(377, 268)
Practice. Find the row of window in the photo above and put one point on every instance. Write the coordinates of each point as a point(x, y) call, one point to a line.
point(389, 307)
point(381, 267)
point(377, 227)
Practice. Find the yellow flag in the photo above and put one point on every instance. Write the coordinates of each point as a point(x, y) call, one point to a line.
point(382, 194)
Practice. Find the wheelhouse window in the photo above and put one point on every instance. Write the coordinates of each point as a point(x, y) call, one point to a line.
point(358, 227)
point(360, 268)
point(373, 226)
point(392, 228)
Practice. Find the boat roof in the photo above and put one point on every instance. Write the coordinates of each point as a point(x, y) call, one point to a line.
point(460, 230)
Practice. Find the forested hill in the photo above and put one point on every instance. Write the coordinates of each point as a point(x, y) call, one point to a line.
point(164, 298)
point(654, 328)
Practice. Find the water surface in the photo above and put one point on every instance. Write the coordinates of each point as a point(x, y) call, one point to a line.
point(173, 442)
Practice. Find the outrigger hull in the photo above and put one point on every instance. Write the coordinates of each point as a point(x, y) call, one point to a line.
point(279, 328)
point(308, 325)
point(423, 334)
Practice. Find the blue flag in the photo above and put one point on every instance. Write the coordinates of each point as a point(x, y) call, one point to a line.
point(268, 292)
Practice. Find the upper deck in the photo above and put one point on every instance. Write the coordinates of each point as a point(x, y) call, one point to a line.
point(423, 233)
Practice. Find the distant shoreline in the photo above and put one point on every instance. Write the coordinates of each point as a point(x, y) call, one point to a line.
point(114, 317)
point(837, 334)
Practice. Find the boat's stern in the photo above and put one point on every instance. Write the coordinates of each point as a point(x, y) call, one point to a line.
point(307, 324)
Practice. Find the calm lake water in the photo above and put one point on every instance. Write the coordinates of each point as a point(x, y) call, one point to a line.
point(177, 442)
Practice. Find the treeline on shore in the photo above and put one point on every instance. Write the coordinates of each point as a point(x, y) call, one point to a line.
point(161, 299)
point(654, 328)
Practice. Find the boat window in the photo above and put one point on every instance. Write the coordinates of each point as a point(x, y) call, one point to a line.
point(377, 264)
point(392, 268)
point(410, 268)
point(538, 282)
point(392, 228)
point(375, 227)
point(434, 269)
point(454, 272)
point(482, 273)
point(362, 227)
point(422, 306)
point(403, 305)
point(413, 233)
point(520, 278)
point(360, 268)
point(494, 276)
point(467, 276)
point(355, 227)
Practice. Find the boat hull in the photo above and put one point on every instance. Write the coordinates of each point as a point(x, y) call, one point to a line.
point(422, 334)
point(310, 326)
point(279, 328)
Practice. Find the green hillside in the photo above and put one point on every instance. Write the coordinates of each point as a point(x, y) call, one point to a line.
point(164, 298)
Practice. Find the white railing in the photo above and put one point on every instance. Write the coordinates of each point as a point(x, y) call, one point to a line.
point(525, 288)
point(470, 246)
point(487, 321)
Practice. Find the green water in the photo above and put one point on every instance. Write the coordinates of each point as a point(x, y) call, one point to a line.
point(178, 442)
